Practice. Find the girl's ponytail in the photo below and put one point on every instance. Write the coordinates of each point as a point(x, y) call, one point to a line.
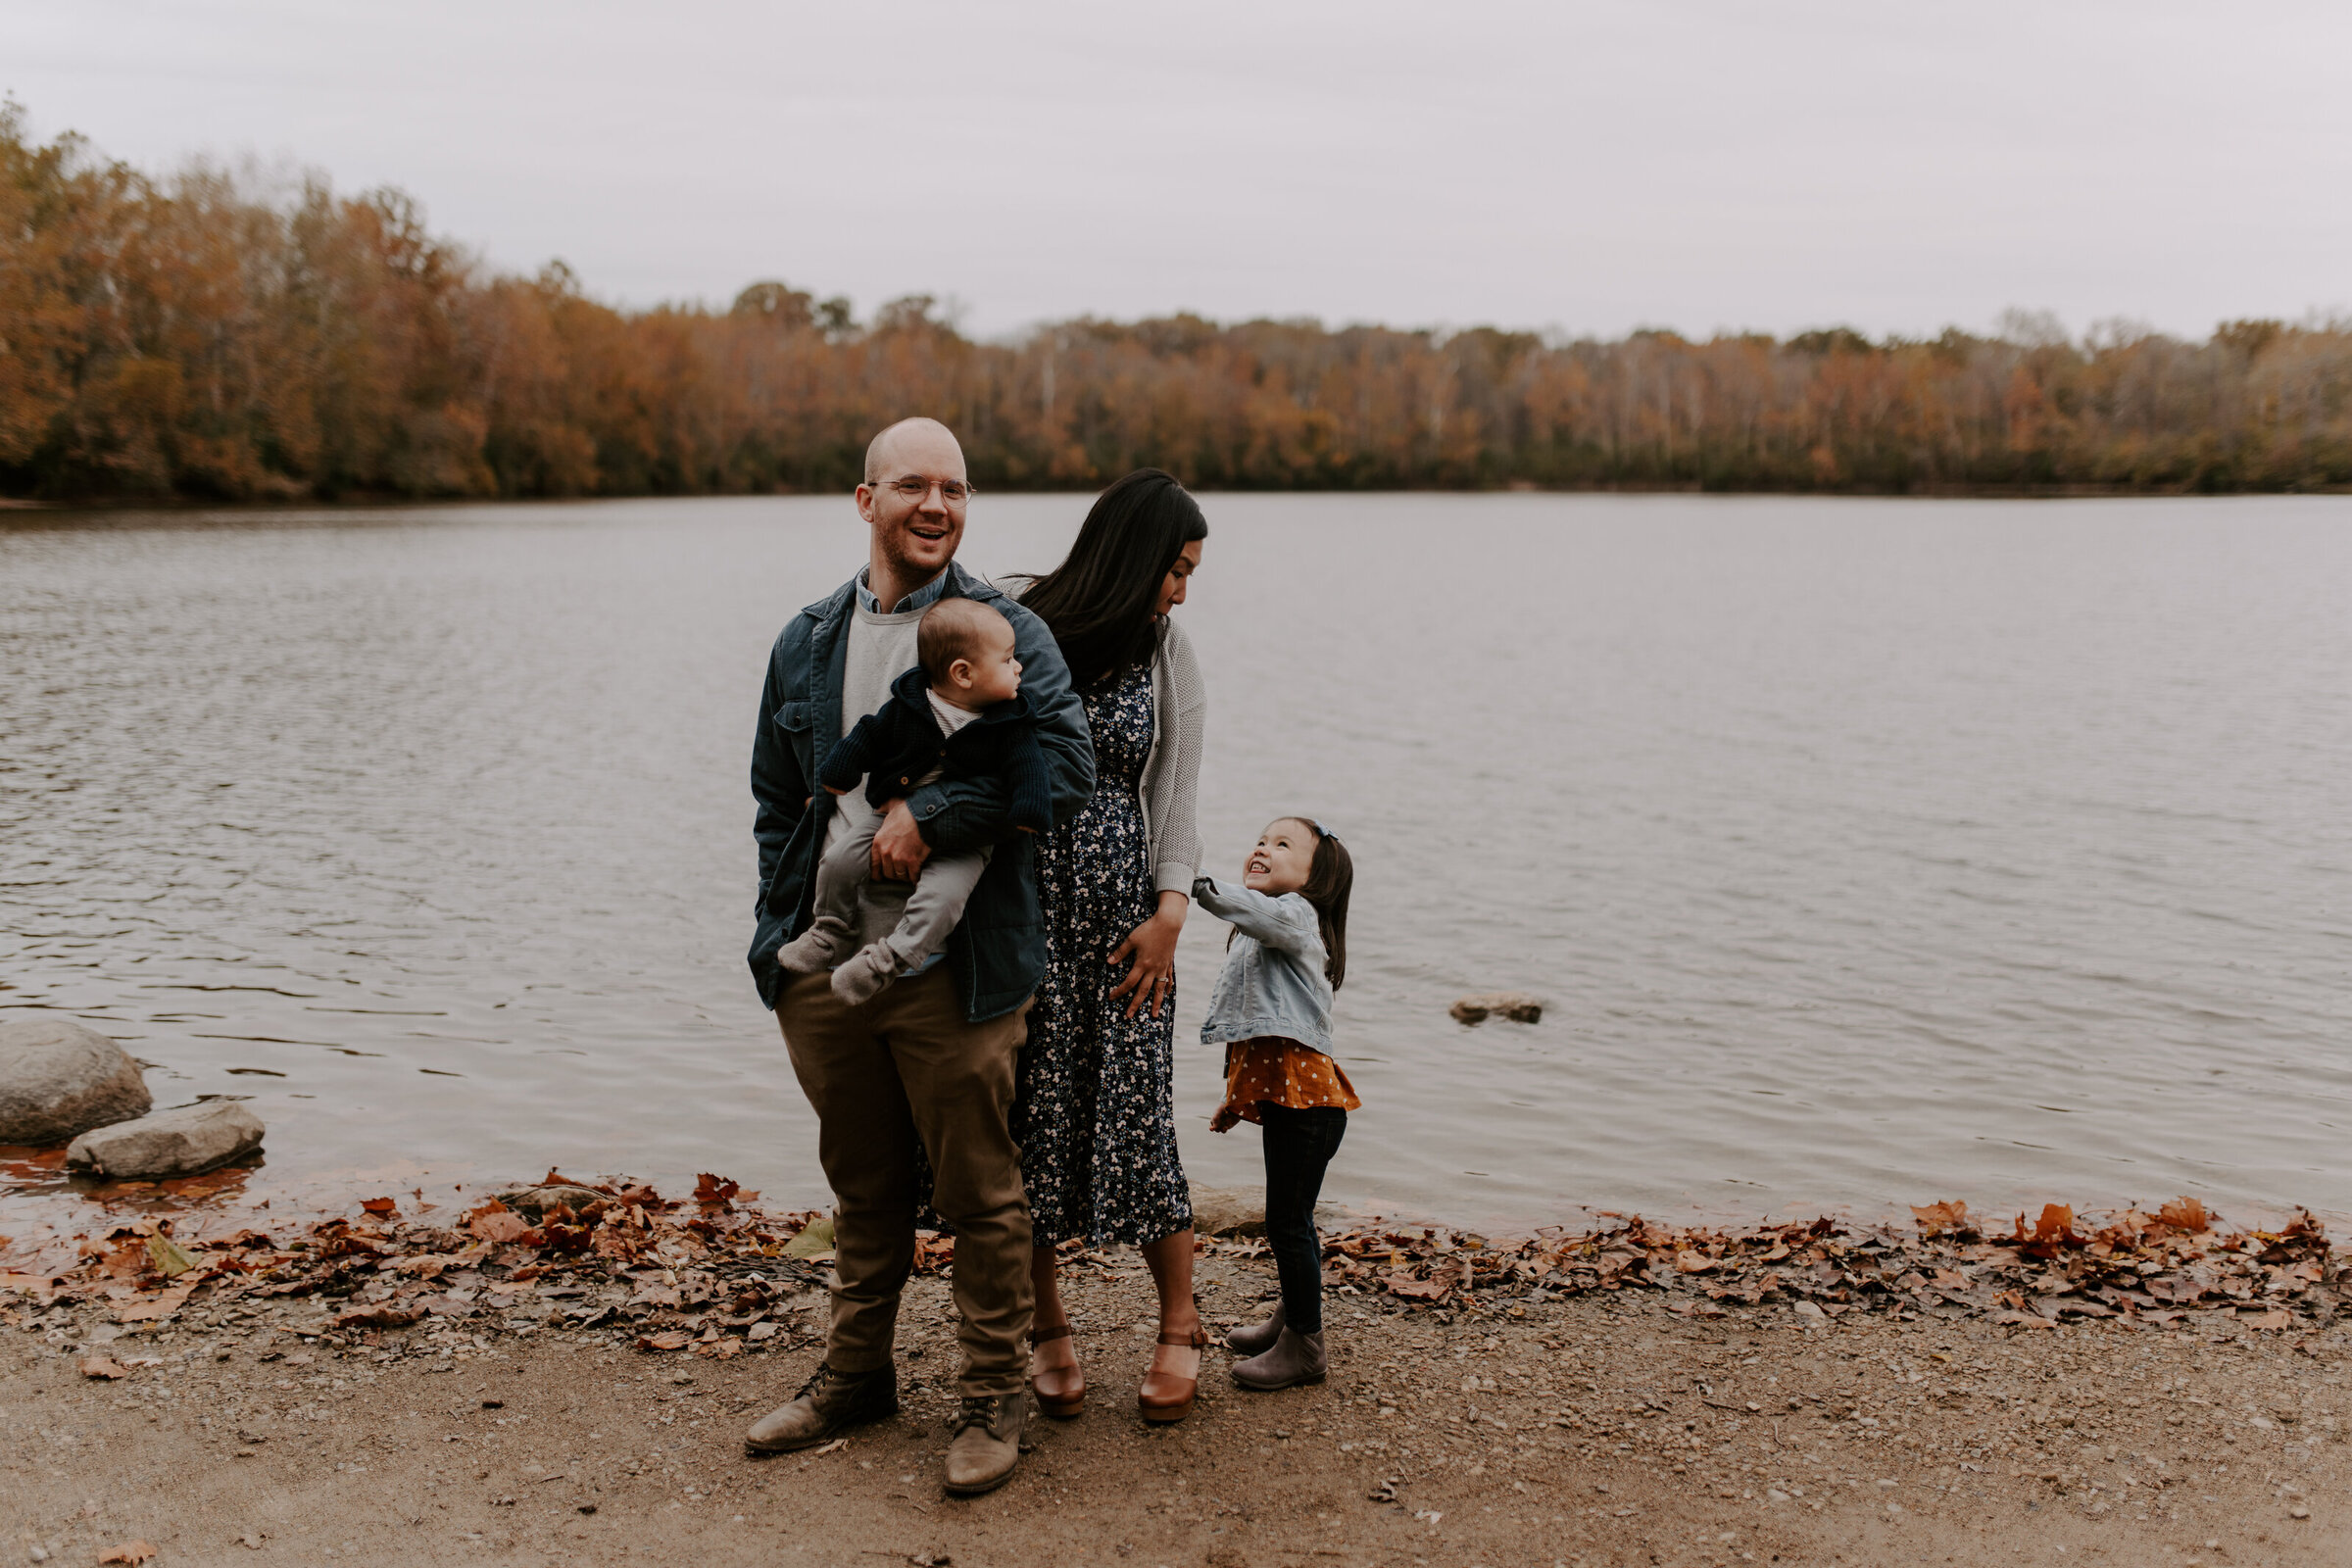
point(1329, 878)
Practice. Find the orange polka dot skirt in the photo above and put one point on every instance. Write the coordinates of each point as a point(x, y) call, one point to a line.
point(1283, 1072)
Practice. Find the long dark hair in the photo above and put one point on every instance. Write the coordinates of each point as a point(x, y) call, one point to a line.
point(1329, 878)
point(1098, 602)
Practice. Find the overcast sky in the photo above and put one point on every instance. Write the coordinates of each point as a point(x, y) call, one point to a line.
point(1564, 164)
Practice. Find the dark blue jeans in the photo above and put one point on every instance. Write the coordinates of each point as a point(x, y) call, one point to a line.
point(1298, 1144)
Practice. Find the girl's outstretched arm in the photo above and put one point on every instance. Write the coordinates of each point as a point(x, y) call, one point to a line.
point(1286, 923)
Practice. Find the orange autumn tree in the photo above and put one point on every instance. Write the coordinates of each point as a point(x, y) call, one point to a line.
point(200, 338)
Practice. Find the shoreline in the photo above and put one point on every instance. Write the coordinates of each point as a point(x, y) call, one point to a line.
point(2152, 1265)
point(530, 1381)
point(172, 511)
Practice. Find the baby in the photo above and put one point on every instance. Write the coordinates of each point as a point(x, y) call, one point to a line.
point(957, 715)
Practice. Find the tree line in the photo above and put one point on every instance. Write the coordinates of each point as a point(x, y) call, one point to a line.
point(195, 338)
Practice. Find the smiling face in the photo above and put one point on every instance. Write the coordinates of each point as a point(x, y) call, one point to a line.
point(1171, 587)
point(1282, 857)
point(915, 537)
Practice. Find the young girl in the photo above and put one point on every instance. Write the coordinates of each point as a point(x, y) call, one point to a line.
point(1271, 1011)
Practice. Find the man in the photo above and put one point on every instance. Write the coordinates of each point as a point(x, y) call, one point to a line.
point(929, 1062)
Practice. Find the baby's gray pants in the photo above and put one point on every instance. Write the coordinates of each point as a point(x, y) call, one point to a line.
point(846, 891)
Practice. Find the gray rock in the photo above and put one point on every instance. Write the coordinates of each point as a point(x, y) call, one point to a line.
point(1515, 1006)
point(169, 1143)
point(1229, 1210)
point(59, 1079)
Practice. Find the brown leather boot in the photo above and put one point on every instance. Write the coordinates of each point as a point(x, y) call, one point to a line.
point(827, 1404)
point(987, 1443)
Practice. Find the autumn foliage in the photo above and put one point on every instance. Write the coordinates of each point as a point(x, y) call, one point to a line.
point(202, 338)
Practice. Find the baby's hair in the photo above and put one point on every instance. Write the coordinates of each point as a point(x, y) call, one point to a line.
point(1329, 878)
point(951, 630)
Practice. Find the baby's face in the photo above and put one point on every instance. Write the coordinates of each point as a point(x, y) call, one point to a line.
point(1279, 862)
point(996, 674)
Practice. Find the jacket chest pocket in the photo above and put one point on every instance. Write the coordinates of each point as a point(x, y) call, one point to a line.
point(797, 721)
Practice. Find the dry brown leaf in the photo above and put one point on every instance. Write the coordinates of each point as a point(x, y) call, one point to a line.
point(133, 1553)
point(672, 1340)
point(103, 1366)
point(2185, 1214)
point(1947, 1218)
point(151, 1308)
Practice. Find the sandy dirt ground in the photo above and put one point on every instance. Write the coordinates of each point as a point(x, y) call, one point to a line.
point(1598, 1430)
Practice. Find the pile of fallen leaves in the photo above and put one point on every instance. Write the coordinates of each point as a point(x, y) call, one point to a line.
point(2146, 1268)
point(704, 1271)
point(710, 1271)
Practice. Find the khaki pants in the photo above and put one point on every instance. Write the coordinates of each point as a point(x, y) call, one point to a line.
point(902, 1068)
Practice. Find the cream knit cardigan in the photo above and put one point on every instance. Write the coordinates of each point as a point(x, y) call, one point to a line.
point(1170, 790)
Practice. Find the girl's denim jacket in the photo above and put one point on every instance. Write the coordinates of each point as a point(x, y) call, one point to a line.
point(1273, 981)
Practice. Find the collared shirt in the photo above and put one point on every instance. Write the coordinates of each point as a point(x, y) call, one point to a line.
point(922, 598)
point(950, 717)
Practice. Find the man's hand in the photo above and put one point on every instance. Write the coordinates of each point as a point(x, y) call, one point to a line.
point(898, 848)
point(1225, 1120)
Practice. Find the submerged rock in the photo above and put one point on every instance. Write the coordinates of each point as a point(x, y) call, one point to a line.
point(171, 1143)
point(59, 1079)
point(1515, 1006)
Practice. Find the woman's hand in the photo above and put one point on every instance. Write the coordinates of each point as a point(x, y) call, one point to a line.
point(1149, 952)
point(1226, 1119)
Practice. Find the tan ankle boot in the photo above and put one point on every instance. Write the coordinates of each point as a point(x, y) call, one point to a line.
point(987, 1443)
point(1257, 1338)
point(827, 1403)
point(1295, 1358)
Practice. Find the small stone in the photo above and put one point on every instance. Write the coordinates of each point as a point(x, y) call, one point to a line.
point(1809, 1309)
point(2298, 1511)
point(171, 1143)
point(59, 1080)
point(1515, 1006)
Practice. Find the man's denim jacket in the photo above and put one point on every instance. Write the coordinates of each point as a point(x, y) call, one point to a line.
point(1273, 981)
point(998, 953)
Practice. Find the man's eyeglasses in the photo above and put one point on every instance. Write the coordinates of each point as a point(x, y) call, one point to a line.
point(955, 491)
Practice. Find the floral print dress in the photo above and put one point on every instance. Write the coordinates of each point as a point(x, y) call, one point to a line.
point(1095, 1107)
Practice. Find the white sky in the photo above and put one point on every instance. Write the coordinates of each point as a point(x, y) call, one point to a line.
point(1567, 165)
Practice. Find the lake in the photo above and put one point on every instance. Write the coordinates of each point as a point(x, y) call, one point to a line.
point(1863, 850)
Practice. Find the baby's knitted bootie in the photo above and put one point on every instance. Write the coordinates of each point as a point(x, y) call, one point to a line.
point(817, 949)
point(861, 977)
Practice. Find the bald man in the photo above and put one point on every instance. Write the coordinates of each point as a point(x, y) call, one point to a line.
point(928, 1063)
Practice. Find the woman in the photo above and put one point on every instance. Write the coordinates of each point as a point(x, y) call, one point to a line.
point(1094, 1109)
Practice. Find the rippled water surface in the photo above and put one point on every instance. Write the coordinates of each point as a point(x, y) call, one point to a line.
point(1863, 850)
